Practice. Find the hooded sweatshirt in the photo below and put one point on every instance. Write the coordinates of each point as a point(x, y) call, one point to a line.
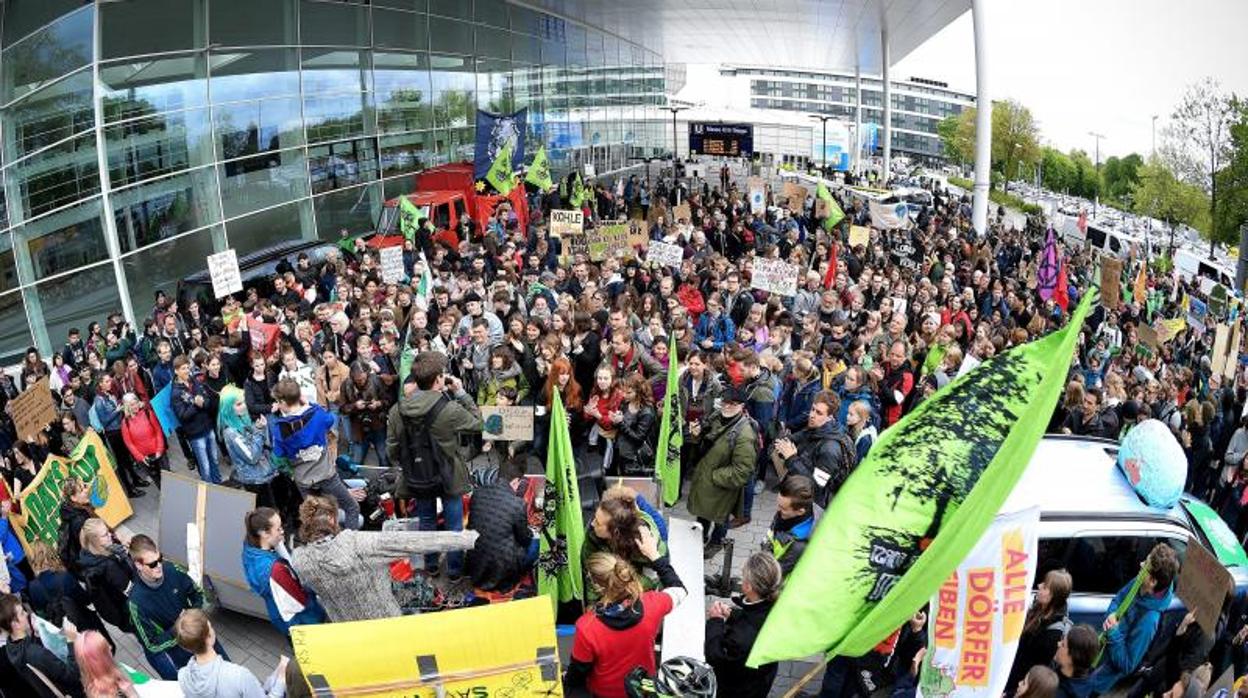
point(303, 439)
point(271, 576)
point(1126, 643)
point(218, 679)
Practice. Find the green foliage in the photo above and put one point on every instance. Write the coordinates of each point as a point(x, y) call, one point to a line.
point(1120, 175)
point(957, 135)
point(1015, 138)
point(1160, 194)
point(999, 197)
point(1231, 208)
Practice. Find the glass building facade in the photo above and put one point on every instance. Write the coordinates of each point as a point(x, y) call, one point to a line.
point(139, 136)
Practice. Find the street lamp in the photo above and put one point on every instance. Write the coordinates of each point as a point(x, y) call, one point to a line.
point(675, 146)
point(824, 119)
point(1154, 135)
point(1097, 199)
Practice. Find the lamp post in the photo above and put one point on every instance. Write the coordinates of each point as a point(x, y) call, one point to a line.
point(675, 144)
point(1154, 135)
point(1097, 199)
point(824, 119)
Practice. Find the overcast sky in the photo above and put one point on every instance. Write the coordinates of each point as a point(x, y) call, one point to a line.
point(1095, 65)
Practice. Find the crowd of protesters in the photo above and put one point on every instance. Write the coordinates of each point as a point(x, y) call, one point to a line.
point(287, 388)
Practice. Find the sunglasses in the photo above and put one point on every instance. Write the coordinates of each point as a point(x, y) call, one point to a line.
point(153, 564)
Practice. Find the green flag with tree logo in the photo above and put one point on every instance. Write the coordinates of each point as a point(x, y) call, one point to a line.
point(835, 214)
point(671, 434)
point(917, 504)
point(539, 172)
point(409, 218)
point(500, 175)
point(563, 527)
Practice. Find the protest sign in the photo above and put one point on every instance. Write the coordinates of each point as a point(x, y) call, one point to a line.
point(758, 202)
point(1111, 280)
point(1148, 336)
point(657, 211)
point(223, 268)
point(977, 615)
point(607, 240)
point(796, 195)
point(774, 276)
point(566, 223)
point(637, 236)
point(889, 216)
point(1169, 329)
point(263, 335)
point(33, 409)
point(574, 245)
point(500, 649)
point(392, 271)
point(1223, 686)
point(507, 423)
point(682, 213)
point(664, 254)
point(899, 305)
point(1203, 585)
point(40, 517)
point(907, 256)
point(859, 235)
point(1226, 340)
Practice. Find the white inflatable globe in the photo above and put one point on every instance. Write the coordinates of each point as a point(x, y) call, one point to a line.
point(1154, 463)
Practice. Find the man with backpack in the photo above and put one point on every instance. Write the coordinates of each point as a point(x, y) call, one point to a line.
point(423, 439)
point(822, 451)
point(726, 447)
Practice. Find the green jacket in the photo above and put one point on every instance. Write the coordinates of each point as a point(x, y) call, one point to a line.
point(594, 544)
point(724, 466)
point(459, 416)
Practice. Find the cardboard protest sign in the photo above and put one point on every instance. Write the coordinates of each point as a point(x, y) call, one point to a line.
point(1169, 329)
point(1203, 585)
point(637, 236)
point(40, 503)
point(1226, 340)
point(775, 276)
point(33, 410)
point(500, 649)
point(1222, 687)
point(859, 235)
point(977, 615)
point(1111, 280)
point(223, 268)
point(664, 254)
point(682, 213)
point(392, 271)
point(657, 211)
point(566, 223)
point(507, 423)
point(1148, 336)
point(796, 195)
point(574, 245)
point(607, 240)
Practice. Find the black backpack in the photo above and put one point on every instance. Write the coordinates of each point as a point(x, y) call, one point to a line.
point(426, 470)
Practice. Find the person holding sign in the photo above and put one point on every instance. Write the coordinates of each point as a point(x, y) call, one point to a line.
point(1134, 615)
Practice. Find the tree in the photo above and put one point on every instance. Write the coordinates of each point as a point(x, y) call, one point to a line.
point(1087, 182)
point(1057, 171)
point(1015, 137)
point(1231, 211)
point(1119, 176)
point(1197, 143)
point(1158, 193)
point(957, 135)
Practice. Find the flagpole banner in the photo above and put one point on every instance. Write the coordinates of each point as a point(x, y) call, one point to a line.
point(889, 216)
point(562, 533)
point(37, 515)
point(827, 208)
point(504, 649)
point(671, 431)
point(774, 276)
point(162, 405)
point(1046, 272)
point(913, 509)
point(495, 131)
point(977, 615)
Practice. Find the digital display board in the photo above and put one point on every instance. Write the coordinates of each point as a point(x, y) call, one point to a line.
point(721, 139)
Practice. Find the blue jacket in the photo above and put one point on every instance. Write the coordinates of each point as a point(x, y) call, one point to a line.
point(107, 411)
point(162, 375)
point(862, 394)
point(246, 449)
point(659, 522)
point(1127, 642)
point(795, 401)
point(258, 567)
point(310, 428)
point(719, 330)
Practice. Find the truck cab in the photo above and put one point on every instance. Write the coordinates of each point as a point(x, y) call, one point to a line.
point(446, 195)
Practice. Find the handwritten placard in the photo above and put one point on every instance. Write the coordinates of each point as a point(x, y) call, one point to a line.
point(33, 410)
point(859, 235)
point(664, 254)
point(774, 276)
point(223, 268)
point(507, 423)
point(392, 271)
point(608, 240)
point(796, 195)
point(566, 223)
point(1203, 585)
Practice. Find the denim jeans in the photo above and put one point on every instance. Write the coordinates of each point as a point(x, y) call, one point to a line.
point(334, 487)
point(453, 515)
point(166, 663)
point(205, 448)
point(376, 439)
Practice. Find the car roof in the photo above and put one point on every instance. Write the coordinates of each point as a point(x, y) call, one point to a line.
point(1079, 477)
point(249, 263)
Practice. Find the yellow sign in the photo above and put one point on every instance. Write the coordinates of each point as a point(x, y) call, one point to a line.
point(40, 502)
point(505, 649)
point(859, 235)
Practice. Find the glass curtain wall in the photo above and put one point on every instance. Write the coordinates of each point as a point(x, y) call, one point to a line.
point(139, 136)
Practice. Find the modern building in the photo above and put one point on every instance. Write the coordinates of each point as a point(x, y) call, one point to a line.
point(139, 136)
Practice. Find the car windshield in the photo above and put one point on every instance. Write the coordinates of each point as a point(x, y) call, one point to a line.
point(389, 223)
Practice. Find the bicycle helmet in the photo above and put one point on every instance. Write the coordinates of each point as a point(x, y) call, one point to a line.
point(685, 677)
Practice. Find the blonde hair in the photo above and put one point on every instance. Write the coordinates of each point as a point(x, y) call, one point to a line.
point(191, 630)
point(614, 578)
point(44, 558)
point(91, 528)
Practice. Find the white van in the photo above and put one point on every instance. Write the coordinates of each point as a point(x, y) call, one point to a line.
point(1192, 265)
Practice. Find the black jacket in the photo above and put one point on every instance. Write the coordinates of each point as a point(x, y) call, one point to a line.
point(635, 441)
point(1037, 647)
point(27, 653)
point(824, 455)
point(259, 395)
point(496, 562)
point(195, 420)
point(728, 644)
point(72, 519)
point(106, 578)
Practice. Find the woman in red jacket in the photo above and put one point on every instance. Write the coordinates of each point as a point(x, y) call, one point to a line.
point(143, 436)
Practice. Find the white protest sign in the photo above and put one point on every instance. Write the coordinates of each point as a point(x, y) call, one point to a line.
point(223, 268)
point(392, 271)
point(665, 254)
point(566, 223)
point(775, 276)
point(758, 201)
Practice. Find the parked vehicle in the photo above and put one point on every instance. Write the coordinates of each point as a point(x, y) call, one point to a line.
point(445, 195)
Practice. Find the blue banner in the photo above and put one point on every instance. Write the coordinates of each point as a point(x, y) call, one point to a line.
point(493, 130)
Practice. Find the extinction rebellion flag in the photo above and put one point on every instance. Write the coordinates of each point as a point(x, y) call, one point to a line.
point(916, 505)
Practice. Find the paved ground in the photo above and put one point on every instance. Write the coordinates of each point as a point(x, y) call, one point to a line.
point(255, 644)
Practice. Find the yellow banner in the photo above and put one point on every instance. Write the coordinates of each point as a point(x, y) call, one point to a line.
point(1014, 559)
point(505, 649)
point(39, 515)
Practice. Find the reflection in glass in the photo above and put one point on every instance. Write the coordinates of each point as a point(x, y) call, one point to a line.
point(8, 269)
point(250, 128)
point(56, 176)
point(252, 23)
point(393, 29)
point(253, 74)
point(159, 210)
point(77, 300)
point(344, 164)
point(140, 87)
point(146, 148)
point(267, 180)
point(333, 24)
point(49, 53)
point(454, 82)
point(409, 152)
point(64, 241)
point(51, 114)
point(403, 91)
point(139, 27)
point(159, 268)
point(450, 36)
point(14, 326)
point(353, 209)
point(269, 227)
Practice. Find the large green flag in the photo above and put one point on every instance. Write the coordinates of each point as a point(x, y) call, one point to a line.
point(918, 503)
point(539, 172)
point(563, 527)
point(409, 218)
point(499, 175)
point(405, 363)
point(835, 214)
point(578, 192)
point(671, 434)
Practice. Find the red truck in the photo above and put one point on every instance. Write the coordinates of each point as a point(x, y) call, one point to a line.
point(445, 194)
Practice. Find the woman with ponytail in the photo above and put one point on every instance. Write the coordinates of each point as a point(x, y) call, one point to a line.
point(618, 633)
